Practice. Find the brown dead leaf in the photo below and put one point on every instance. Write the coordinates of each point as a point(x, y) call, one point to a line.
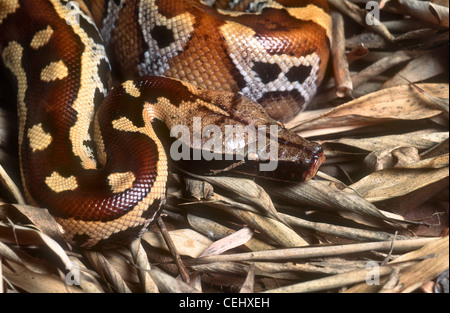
point(26, 214)
point(399, 181)
point(396, 103)
point(249, 284)
point(420, 140)
point(427, 263)
point(421, 68)
point(29, 281)
point(439, 102)
point(230, 242)
point(324, 196)
point(11, 186)
point(217, 231)
point(187, 241)
point(426, 11)
point(382, 159)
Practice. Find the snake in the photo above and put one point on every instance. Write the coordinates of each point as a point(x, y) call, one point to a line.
point(100, 85)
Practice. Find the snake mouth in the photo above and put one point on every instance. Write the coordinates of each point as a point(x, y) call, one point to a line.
point(317, 161)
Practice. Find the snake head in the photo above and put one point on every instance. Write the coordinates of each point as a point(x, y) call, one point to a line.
point(285, 157)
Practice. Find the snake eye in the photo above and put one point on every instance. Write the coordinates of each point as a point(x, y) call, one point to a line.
point(253, 156)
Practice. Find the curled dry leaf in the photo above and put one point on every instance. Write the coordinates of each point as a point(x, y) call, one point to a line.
point(396, 103)
point(227, 243)
point(381, 159)
point(199, 189)
point(7, 253)
point(217, 231)
point(167, 283)
point(33, 282)
point(420, 140)
point(25, 215)
point(249, 283)
point(439, 102)
point(399, 181)
point(436, 63)
point(109, 272)
point(426, 11)
point(187, 241)
point(143, 266)
point(245, 191)
point(323, 196)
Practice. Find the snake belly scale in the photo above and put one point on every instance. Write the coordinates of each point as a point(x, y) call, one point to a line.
point(93, 154)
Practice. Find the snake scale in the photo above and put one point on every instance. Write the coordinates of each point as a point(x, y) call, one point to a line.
point(99, 83)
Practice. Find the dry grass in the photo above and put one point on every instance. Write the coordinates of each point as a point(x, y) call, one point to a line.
point(378, 206)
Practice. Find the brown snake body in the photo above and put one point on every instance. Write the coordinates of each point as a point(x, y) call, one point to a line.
point(92, 155)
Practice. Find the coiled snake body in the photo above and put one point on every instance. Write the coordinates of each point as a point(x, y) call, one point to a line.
point(92, 155)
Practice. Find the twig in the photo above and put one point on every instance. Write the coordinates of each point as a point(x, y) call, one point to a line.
point(173, 250)
point(343, 81)
point(388, 257)
point(359, 15)
point(310, 252)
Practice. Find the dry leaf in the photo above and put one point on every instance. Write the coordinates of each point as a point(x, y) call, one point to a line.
point(245, 191)
point(167, 283)
point(39, 217)
point(399, 181)
point(421, 68)
point(420, 140)
point(396, 103)
point(271, 228)
point(431, 260)
point(143, 266)
point(187, 241)
point(249, 284)
point(11, 186)
point(426, 11)
point(382, 159)
point(322, 196)
point(29, 281)
point(217, 231)
point(227, 243)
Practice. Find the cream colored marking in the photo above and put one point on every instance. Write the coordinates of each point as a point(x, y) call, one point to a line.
point(58, 183)
point(54, 71)
point(163, 106)
point(8, 7)
point(124, 124)
point(130, 88)
point(210, 107)
point(120, 182)
point(12, 58)
point(90, 81)
point(97, 230)
point(41, 38)
point(315, 14)
point(39, 139)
